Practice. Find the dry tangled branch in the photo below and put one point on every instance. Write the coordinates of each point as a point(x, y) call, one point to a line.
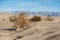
point(21, 21)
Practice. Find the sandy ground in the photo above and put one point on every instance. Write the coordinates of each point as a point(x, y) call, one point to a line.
point(37, 30)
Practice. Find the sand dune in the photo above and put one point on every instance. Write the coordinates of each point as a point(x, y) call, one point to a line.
point(44, 30)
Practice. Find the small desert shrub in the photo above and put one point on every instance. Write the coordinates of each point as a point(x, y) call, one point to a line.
point(49, 18)
point(21, 21)
point(35, 18)
point(3, 19)
point(12, 18)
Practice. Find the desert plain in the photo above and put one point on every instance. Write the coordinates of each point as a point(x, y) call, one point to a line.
point(43, 30)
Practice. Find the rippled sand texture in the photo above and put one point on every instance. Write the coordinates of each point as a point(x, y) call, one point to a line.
point(36, 31)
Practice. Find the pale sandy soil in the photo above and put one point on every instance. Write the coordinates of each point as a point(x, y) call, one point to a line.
point(44, 30)
point(4, 16)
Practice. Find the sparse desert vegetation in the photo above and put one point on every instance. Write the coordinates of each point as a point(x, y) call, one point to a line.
point(49, 18)
point(12, 18)
point(21, 21)
point(29, 19)
point(3, 19)
point(37, 30)
point(36, 18)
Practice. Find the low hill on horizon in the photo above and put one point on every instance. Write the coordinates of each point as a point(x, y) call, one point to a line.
point(32, 13)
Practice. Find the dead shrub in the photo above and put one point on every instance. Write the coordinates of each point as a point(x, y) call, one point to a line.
point(21, 21)
point(49, 18)
point(3, 19)
point(12, 18)
point(35, 18)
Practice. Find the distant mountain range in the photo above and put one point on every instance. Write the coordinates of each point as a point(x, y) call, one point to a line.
point(36, 13)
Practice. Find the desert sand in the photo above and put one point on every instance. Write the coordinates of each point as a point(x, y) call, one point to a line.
point(44, 30)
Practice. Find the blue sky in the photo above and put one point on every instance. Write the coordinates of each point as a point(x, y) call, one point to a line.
point(30, 5)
